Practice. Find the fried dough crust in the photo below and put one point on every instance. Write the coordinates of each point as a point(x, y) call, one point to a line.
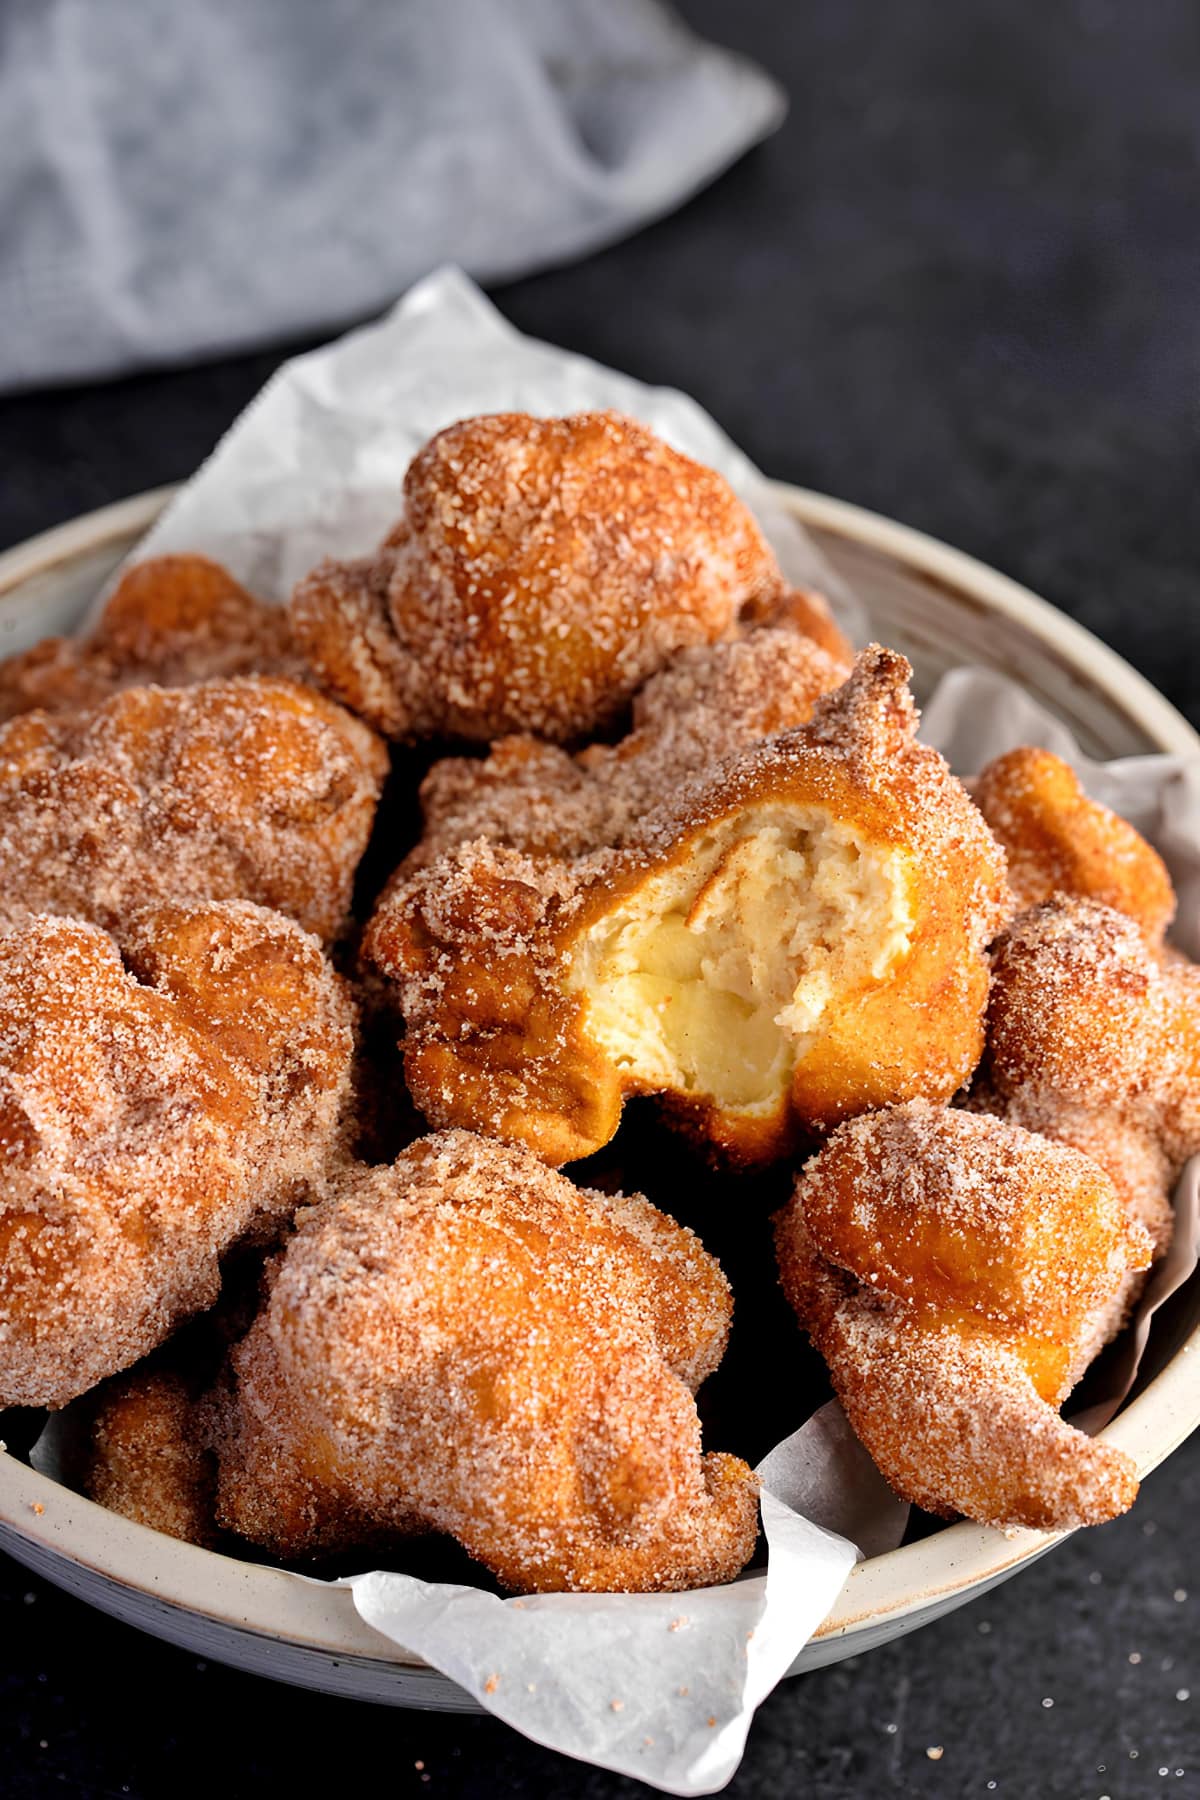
point(544, 568)
point(708, 703)
point(466, 1342)
point(797, 939)
point(1059, 842)
point(255, 788)
point(146, 1457)
point(1094, 1041)
point(949, 1267)
point(171, 621)
point(152, 1112)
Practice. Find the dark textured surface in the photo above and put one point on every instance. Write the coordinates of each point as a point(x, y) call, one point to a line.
point(963, 287)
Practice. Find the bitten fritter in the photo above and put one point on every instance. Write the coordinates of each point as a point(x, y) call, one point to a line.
point(543, 569)
point(950, 1268)
point(465, 1342)
point(707, 704)
point(153, 1110)
point(1094, 1041)
point(252, 789)
point(799, 938)
point(1059, 842)
point(173, 621)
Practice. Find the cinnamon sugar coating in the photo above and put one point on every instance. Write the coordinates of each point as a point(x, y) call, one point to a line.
point(1094, 1041)
point(805, 614)
point(141, 1442)
point(950, 1267)
point(152, 1111)
point(466, 1342)
point(708, 703)
point(255, 788)
point(795, 939)
point(1059, 841)
point(146, 1458)
point(543, 569)
point(172, 620)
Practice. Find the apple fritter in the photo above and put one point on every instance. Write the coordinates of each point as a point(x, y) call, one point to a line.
point(543, 569)
point(465, 1342)
point(951, 1267)
point(799, 938)
point(153, 1111)
point(253, 789)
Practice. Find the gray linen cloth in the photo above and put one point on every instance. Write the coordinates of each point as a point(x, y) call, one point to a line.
point(180, 178)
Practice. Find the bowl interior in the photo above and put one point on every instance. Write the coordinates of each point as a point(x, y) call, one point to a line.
point(940, 608)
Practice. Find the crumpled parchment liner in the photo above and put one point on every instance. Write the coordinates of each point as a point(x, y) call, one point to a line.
point(314, 465)
point(660, 1686)
point(313, 468)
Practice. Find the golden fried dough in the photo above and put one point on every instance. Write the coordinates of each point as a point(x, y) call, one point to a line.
point(795, 940)
point(140, 1444)
point(171, 620)
point(1094, 1041)
point(1083, 1011)
point(950, 1268)
point(708, 703)
point(146, 1458)
point(543, 570)
point(465, 1342)
point(152, 1111)
point(1059, 841)
point(255, 788)
point(804, 614)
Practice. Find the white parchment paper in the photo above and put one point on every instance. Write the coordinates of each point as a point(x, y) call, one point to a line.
point(313, 466)
point(660, 1687)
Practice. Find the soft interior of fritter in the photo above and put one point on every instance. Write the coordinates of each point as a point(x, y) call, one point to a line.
point(714, 975)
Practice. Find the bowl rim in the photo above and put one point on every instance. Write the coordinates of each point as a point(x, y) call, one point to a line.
point(271, 1604)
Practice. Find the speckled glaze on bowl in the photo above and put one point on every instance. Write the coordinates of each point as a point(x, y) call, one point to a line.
point(941, 608)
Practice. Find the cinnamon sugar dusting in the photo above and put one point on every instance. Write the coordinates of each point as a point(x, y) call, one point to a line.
point(146, 1458)
point(705, 957)
point(1080, 1007)
point(173, 621)
point(467, 1342)
point(1094, 1041)
point(949, 1267)
point(149, 1115)
point(255, 789)
point(1085, 1016)
point(706, 705)
point(544, 569)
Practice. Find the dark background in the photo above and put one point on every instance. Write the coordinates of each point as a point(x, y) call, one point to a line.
point(961, 286)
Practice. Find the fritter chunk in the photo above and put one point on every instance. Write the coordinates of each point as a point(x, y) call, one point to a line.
point(253, 789)
point(1059, 842)
point(151, 1113)
point(796, 940)
point(950, 1268)
point(544, 568)
point(466, 1342)
point(708, 704)
point(171, 620)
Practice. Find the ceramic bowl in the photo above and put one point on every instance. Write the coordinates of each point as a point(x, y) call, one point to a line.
point(941, 608)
